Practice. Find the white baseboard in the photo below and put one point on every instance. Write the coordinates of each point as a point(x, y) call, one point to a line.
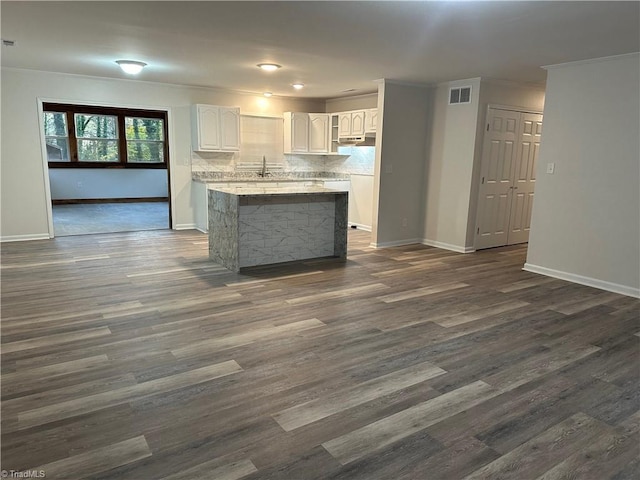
point(24, 238)
point(447, 246)
point(588, 281)
point(366, 228)
point(395, 243)
point(186, 226)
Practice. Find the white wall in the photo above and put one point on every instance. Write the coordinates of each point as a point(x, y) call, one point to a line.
point(586, 216)
point(400, 158)
point(449, 169)
point(89, 183)
point(355, 102)
point(23, 209)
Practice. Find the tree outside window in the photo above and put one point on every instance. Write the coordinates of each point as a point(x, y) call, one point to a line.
point(87, 136)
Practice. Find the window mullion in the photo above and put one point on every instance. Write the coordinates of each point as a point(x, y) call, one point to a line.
point(73, 141)
point(122, 140)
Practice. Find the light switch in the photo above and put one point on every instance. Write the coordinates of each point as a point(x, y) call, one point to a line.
point(388, 168)
point(551, 168)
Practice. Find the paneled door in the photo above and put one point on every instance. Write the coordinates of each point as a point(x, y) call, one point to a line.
point(510, 149)
point(524, 178)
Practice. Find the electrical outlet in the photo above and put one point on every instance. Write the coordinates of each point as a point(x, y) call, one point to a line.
point(79, 185)
point(551, 167)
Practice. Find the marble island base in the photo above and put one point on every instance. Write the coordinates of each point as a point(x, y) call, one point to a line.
point(250, 227)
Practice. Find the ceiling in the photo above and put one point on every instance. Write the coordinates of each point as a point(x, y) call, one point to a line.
point(334, 48)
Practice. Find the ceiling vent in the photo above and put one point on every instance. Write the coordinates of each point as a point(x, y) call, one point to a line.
point(459, 95)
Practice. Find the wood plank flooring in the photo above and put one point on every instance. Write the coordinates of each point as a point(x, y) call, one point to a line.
point(132, 356)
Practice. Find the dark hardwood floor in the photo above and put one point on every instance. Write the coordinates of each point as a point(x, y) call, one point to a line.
point(132, 356)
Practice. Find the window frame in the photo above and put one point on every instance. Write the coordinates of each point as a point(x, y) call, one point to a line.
point(71, 109)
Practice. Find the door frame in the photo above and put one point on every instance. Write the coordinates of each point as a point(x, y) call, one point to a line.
point(490, 106)
point(45, 164)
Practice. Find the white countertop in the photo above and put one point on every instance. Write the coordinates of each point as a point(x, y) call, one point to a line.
point(269, 179)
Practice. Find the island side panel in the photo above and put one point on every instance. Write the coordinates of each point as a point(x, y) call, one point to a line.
point(284, 228)
point(341, 224)
point(223, 229)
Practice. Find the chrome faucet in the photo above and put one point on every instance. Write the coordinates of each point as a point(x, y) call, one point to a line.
point(263, 173)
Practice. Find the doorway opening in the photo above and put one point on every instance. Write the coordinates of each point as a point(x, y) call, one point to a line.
point(108, 168)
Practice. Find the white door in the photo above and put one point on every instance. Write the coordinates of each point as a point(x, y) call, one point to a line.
point(496, 178)
point(319, 130)
point(507, 181)
point(524, 178)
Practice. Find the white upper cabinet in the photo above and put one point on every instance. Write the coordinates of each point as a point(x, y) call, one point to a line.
point(357, 123)
point(371, 120)
point(319, 133)
point(352, 124)
point(307, 132)
point(344, 124)
point(215, 129)
point(229, 128)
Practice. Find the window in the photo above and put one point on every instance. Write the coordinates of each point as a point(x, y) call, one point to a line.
point(97, 137)
point(85, 137)
point(55, 132)
point(145, 139)
point(260, 137)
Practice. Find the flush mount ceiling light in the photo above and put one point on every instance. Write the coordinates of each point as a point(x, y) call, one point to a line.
point(132, 67)
point(267, 94)
point(298, 86)
point(269, 67)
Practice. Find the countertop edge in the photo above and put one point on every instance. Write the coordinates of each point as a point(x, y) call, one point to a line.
point(279, 192)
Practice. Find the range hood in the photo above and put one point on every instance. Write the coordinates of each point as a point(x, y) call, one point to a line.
point(368, 138)
point(351, 140)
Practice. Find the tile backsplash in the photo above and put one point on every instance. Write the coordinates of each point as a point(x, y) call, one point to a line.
point(352, 160)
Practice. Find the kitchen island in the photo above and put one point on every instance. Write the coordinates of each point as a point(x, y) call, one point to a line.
point(250, 226)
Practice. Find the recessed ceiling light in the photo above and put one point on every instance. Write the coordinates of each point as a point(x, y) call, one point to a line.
point(267, 94)
point(298, 86)
point(132, 67)
point(269, 67)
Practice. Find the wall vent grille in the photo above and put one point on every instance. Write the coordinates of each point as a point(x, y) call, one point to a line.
point(459, 95)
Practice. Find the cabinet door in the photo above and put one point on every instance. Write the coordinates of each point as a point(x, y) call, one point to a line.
point(371, 120)
point(344, 125)
point(229, 128)
point(319, 131)
point(300, 132)
point(208, 120)
point(357, 123)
